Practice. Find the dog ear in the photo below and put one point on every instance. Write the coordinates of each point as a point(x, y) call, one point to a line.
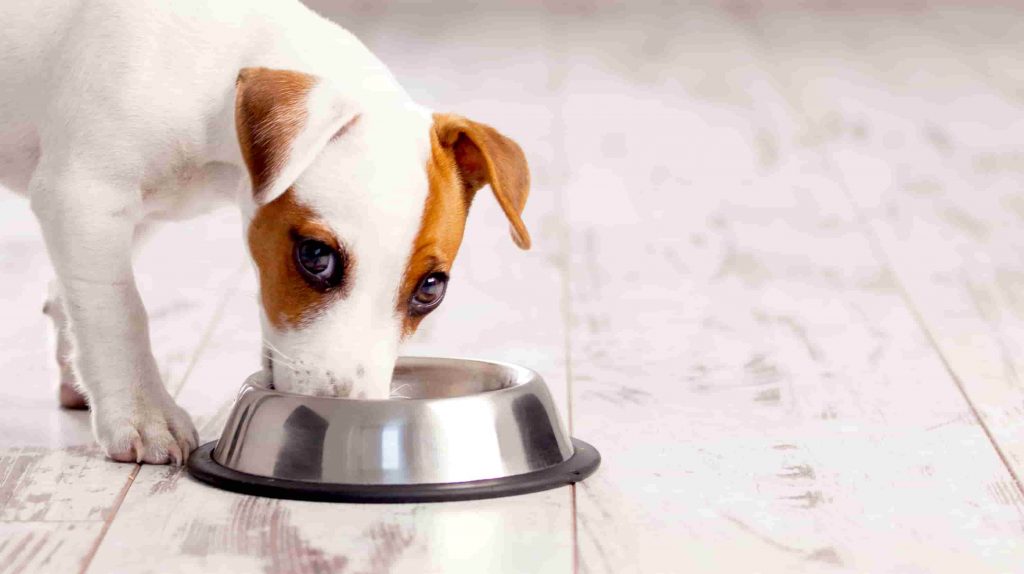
point(284, 118)
point(484, 156)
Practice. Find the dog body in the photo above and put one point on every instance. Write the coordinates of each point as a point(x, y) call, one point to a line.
point(355, 198)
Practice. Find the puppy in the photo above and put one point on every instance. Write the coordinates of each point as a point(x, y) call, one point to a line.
point(355, 197)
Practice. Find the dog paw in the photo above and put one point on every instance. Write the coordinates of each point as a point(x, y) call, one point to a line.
point(154, 432)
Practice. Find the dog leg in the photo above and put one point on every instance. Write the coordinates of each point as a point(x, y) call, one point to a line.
point(71, 397)
point(88, 224)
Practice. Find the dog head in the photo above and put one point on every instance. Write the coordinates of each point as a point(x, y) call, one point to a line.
point(359, 208)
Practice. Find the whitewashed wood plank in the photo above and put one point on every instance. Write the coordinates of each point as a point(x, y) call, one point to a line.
point(764, 399)
point(52, 485)
point(940, 183)
point(28, 392)
point(182, 526)
point(184, 273)
point(988, 41)
point(45, 548)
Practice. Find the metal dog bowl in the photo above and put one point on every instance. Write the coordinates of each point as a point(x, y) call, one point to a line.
point(462, 430)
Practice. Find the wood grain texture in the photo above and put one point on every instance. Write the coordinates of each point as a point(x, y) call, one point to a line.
point(170, 523)
point(29, 394)
point(938, 182)
point(38, 547)
point(764, 398)
point(53, 485)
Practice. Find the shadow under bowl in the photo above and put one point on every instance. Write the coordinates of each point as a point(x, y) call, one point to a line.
point(462, 429)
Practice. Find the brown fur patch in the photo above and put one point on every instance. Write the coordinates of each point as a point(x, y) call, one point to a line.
point(484, 156)
point(287, 299)
point(464, 156)
point(441, 228)
point(269, 114)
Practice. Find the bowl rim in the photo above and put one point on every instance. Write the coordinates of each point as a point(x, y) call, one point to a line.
point(584, 461)
point(528, 376)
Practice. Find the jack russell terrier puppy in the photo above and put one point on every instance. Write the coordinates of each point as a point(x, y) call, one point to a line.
point(114, 113)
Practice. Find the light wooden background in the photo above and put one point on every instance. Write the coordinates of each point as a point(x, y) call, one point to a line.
point(778, 281)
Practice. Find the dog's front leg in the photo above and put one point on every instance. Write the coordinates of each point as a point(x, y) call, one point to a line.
point(70, 395)
point(88, 224)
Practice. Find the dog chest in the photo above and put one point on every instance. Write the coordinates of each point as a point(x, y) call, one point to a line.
point(189, 189)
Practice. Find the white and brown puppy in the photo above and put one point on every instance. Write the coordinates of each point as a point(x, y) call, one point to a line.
point(116, 113)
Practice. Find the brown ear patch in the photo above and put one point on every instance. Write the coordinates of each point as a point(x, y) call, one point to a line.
point(287, 299)
point(441, 228)
point(464, 156)
point(484, 156)
point(269, 114)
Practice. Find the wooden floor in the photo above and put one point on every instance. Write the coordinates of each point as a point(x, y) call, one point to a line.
point(778, 281)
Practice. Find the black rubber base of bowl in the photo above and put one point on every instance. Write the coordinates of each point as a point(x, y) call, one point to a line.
point(581, 465)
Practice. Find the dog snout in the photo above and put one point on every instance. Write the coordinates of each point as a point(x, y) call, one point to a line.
point(360, 381)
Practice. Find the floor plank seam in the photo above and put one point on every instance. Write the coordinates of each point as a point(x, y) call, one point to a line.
point(211, 328)
point(204, 341)
point(575, 532)
point(919, 319)
point(48, 521)
point(876, 246)
point(559, 70)
point(567, 314)
point(87, 561)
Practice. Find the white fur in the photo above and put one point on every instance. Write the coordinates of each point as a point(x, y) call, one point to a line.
point(122, 111)
point(369, 186)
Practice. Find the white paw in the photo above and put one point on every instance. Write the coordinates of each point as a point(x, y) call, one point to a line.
point(147, 429)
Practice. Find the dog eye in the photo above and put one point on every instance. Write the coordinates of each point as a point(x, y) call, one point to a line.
point(428, 294)
point(318, 263)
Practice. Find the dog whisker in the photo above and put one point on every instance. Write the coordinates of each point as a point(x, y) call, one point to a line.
point(397, 392)
point(278, 354)
point(281, 362)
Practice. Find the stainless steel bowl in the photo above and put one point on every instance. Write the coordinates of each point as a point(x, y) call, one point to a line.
point(462, 429)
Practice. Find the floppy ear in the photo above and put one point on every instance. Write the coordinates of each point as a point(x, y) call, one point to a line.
point(484, 156)
point(284, 119)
